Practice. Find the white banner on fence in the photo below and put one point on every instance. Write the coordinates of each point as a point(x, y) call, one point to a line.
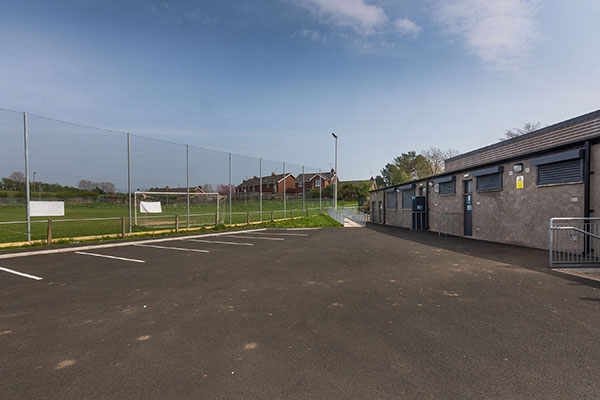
point(47, 208)
point(153, 207)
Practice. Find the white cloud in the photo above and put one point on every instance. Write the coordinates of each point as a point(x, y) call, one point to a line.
point(356, 14)
point(499, 32)
point(406, 27)
point(313, 35)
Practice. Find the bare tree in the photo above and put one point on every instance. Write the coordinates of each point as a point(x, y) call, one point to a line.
point(516, 132)
point(17, 176)
point(106, 187)
point(207, 188)
point(437, 157)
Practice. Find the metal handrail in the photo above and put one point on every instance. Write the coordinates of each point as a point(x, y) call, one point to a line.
point(446, 214)
point(576, 249)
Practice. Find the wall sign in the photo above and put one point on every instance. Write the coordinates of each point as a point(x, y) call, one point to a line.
point(520, 182)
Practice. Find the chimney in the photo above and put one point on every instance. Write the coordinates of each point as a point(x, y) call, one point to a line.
point(272, 173)
point(255, 177)
point(332, 170)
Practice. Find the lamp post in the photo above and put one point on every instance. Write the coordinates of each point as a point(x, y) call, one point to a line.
point(335, 176)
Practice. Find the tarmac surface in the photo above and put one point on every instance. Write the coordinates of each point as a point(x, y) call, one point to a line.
point(363, 313)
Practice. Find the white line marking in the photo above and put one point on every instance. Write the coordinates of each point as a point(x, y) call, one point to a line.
point(120, 244)
point(257, 237)
point(300, 229)
point(171, 248)
point(107, 256)
point(218, 242)
point(10, 271)
point(280, 234)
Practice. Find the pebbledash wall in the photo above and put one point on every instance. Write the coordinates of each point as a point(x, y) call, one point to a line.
point(517, 186)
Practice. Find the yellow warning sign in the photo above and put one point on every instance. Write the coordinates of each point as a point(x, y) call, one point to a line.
point(520, 182)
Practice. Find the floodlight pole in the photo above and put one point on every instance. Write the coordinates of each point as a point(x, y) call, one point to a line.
point(229, 188)
point(28, 200)
point(187, 178)
point(129, 177)
point(335, 176)
point(284, 189)
point(260, 185)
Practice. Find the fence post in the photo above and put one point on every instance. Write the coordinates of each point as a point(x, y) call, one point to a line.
point(292, 214)
point(49, 231)
point(122, 227)
point(129, 177)
point(303, 189)
point(248, 218)
point(272, 216)
point(187, 179)
point(27, 199)
point(284, 190)
point(306, 212)
point(176, 223)
point(260, 184)
point(229, 188)
point(320, 193)
point(217, 213)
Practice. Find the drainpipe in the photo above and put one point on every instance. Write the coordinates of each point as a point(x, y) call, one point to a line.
point(586, 193)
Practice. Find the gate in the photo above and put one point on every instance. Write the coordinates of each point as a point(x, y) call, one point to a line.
point(574, 242)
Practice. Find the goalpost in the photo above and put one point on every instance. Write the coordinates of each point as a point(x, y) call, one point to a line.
point(205, 206)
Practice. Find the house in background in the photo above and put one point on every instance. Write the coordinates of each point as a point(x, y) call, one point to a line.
point(167, 189)
point(273, 183)
point(312, 181)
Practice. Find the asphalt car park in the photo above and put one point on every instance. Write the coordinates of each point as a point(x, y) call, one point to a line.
point(331, 313)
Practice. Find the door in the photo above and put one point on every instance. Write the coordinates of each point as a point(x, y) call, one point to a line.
point(468, 209)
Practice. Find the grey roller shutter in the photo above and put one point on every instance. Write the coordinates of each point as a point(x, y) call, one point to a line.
point(560, 172)
point(489, 182)
point(448, 187)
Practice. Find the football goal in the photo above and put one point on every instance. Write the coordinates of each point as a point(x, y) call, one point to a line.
point(193, 209)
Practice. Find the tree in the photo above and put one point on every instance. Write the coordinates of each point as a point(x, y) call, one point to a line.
point(223, 189)
point(437, 157)
point(17, 176)
point(379, 181)
point(207, 188)
point(106, 187)
point(406, 167)
point(516, 132)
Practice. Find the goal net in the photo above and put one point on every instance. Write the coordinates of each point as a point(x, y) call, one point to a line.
point(159, 209)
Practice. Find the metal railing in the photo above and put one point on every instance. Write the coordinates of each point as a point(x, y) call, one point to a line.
point(351, 213)
point(574, 242)
point(445, 217)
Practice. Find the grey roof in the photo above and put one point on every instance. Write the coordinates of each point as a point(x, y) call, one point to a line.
point(265, 180)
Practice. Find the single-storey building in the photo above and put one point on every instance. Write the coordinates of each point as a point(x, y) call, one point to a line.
point(506, 192)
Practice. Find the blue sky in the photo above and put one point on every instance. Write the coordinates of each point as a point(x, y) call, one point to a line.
point(273, 78)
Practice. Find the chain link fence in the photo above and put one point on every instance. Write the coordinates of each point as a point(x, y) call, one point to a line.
point(102, 177)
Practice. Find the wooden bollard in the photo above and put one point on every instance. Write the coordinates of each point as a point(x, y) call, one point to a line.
point(272, 219)
point(292, 215)
point(248, 218)
point(122, 227)
point(216, 219)
point(176, 223)
point(49, 239)
point(306, 213)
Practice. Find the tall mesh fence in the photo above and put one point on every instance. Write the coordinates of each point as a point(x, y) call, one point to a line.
point(102, 177)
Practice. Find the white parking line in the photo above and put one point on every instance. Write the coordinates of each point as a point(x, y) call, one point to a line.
point(217, 242)
point(280, 234)
point(121, 244)
point(10, 271)
point(171, 248)
point(257, 237)
point(107, 256)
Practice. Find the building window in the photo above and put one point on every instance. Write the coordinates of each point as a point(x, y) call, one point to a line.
point(318, 183)
point(489, 182)
point(391, 200)
point(299, 184)
point(407, 196)
point(447, 187)
point(560, 172)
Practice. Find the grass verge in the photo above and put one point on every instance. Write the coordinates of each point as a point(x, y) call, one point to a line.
point(313, 221)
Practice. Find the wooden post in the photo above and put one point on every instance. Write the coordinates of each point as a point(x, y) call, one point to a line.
point(306, 213)
point(49, 231)
point(176, 223)
point(248, 218)
point(122, 227)
point(272, 216)
point(292, 215)
point(216, 219)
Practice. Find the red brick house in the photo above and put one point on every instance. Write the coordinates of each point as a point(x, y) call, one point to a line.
point(273, 183)
point(312, 181)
